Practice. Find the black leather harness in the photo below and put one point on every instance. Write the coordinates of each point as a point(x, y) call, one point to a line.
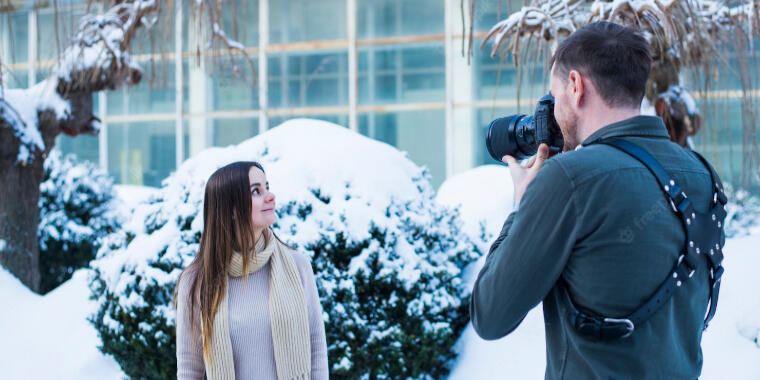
point(703, 238)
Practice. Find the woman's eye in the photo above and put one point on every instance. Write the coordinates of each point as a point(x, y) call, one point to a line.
point(255, 192)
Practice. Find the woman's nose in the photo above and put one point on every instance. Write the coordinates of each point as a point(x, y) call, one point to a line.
point(270, 196)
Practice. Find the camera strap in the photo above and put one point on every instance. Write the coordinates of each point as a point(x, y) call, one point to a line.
point(703, 238)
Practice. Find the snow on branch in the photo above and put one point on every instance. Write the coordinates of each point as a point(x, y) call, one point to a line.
point(669, 22)
point(97, 58)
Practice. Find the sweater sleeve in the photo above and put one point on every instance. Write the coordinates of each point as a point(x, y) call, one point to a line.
point(319, 370)
point(189, 343)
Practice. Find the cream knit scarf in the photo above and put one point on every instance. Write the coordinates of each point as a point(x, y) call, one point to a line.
point(287, 313)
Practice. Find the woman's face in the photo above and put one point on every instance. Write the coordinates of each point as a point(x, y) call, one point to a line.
point(262, 201)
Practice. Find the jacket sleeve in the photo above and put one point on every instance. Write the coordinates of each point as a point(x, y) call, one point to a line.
point(189, 343)
point(528, 257)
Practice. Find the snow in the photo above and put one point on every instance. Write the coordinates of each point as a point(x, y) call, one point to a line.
point(676, 93)
point(730, 345)
point(49, 337)
point(2, 244)
point(132, 195)
point(728, 352)
point(232, 44)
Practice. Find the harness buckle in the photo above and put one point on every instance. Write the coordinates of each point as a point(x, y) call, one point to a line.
point(692, 270)
point(622, 321)
point(673, 205)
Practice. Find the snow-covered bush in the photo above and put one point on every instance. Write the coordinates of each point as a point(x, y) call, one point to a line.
point(76, 211)
point(743, 211)
point(388, 259)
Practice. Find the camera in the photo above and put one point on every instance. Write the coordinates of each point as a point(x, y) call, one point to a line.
point(520, 136)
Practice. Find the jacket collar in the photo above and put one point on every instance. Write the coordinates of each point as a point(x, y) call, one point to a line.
point(644, 126)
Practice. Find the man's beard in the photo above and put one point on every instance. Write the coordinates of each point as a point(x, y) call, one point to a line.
point(569, 133)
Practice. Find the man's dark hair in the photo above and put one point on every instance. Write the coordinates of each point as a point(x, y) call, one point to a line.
point(616, 59)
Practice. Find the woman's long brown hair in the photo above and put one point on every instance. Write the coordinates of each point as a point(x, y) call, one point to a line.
point(227, 227)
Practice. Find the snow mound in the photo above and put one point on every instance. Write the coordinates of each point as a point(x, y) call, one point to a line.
point(484, 196)
point(388, 258)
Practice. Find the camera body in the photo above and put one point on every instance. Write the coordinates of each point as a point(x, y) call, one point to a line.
point(520, 135)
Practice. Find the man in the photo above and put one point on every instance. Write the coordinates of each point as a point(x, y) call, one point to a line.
point(594, 231)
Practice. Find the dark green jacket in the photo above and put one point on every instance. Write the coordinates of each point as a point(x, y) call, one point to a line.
point(597, 218)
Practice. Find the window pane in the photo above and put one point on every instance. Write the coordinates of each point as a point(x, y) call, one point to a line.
point(422, 134)
point(340, 119)
point(308, 79)
point(185, 139)
point(16, 26)
point(16, 79)
point(402, 73)
point(496, 78)
point(51, 41)
point(157, 40)
point(85, 147)
point(141, 153)
point(241, 21)
point(720, 140)
point(233, 90)
point(234, 131)
point(154, 94)
point(392, 18)
point(306, 20)
point(186, 64)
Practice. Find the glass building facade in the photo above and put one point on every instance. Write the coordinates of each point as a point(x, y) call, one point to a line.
point(392, 70)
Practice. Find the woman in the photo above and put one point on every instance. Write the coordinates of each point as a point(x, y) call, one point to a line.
point(254, 312)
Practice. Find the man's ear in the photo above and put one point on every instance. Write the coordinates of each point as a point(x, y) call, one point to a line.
point(577, 86)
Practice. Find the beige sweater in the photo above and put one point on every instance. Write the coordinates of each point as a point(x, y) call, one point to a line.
point(250, 330)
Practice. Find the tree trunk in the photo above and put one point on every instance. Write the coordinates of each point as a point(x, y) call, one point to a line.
point(19, 218)
point(20, 189)
point(76, 79)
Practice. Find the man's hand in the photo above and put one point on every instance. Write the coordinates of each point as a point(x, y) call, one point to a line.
point(522, 175)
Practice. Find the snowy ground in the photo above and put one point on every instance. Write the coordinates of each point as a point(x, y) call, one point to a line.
point(50, 337)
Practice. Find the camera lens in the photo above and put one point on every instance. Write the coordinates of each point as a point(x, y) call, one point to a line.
point(511, 135)
point(519, 135)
